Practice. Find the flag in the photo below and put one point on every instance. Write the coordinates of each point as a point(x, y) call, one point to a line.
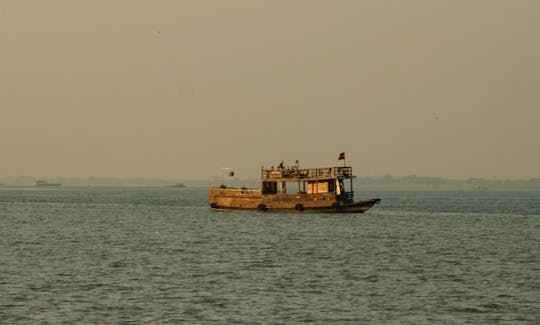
point(341, 156)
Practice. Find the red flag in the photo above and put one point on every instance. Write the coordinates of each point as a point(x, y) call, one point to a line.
point(341, 156)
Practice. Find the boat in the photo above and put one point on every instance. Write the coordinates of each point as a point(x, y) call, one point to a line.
point(294, 189)
point(41, 183)
point(178, 185)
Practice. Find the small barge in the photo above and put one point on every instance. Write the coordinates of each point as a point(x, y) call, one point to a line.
point(292, 189)
point(42, 183)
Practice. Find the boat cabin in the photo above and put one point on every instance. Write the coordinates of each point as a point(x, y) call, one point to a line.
point(295, 181)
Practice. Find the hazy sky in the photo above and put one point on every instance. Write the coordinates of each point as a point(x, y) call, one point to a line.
point(178, 89)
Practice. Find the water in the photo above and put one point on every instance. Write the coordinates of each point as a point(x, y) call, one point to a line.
point(160, 256)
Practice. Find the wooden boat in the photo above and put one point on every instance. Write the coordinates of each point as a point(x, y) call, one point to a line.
point(291, 189)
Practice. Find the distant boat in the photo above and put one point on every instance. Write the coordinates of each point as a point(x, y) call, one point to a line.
point(293, 189)
point(179, 185)
point(41, 183)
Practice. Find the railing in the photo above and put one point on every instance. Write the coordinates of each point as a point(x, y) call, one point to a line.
point(232, 191)
point(307, 173)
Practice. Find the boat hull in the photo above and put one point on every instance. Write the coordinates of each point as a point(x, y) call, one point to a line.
point(254, 200)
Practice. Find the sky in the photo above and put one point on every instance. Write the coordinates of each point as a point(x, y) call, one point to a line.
point(180, 89)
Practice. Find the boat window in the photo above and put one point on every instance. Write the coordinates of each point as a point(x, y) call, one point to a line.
point(269, 187)
point(321, 187)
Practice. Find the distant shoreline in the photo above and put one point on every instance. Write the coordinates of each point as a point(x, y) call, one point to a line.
point(363, 183)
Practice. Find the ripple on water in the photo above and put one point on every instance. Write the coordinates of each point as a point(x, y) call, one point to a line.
point(109, 256)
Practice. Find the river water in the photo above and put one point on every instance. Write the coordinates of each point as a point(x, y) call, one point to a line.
point(160, 256)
